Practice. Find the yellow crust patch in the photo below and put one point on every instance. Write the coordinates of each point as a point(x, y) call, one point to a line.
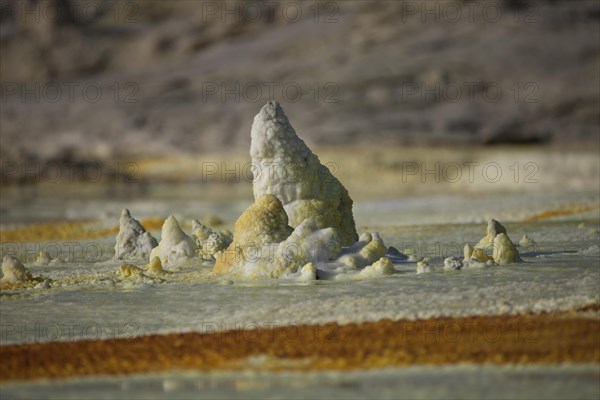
point(73, 230)
point(560, 212)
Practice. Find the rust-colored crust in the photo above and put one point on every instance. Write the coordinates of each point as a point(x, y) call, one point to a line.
point(522, 339)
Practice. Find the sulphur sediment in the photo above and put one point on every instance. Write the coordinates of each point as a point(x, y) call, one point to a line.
point(264, 222)
point(72, 230)
point(521, 339)
point(561, 212)
point(55, 231)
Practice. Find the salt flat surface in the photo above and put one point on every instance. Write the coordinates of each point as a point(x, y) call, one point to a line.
point(561, 272)
point(451, 382)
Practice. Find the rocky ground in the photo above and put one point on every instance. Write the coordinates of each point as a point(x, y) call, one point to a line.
point(93, 80)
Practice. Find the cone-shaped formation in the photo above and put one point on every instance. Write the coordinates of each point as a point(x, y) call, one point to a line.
point(287, 168)
point(504, 250)
point(43, 258)
point(307, 244)
point(292, 186)
point(209, 242)
point(174, 244)
point(423, 267)
point(381, 267)
point(128, 270)
point(14, 272)
point(264, 222)
point(132, 240)
point(154, 266)
point(368, 249)
point(453, 263)
point(493, 228)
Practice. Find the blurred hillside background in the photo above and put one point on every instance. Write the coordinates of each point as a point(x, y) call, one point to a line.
point(104, 80)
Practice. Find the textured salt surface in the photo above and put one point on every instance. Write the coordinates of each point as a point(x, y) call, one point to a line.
point(561, 272)
point(464, 382)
